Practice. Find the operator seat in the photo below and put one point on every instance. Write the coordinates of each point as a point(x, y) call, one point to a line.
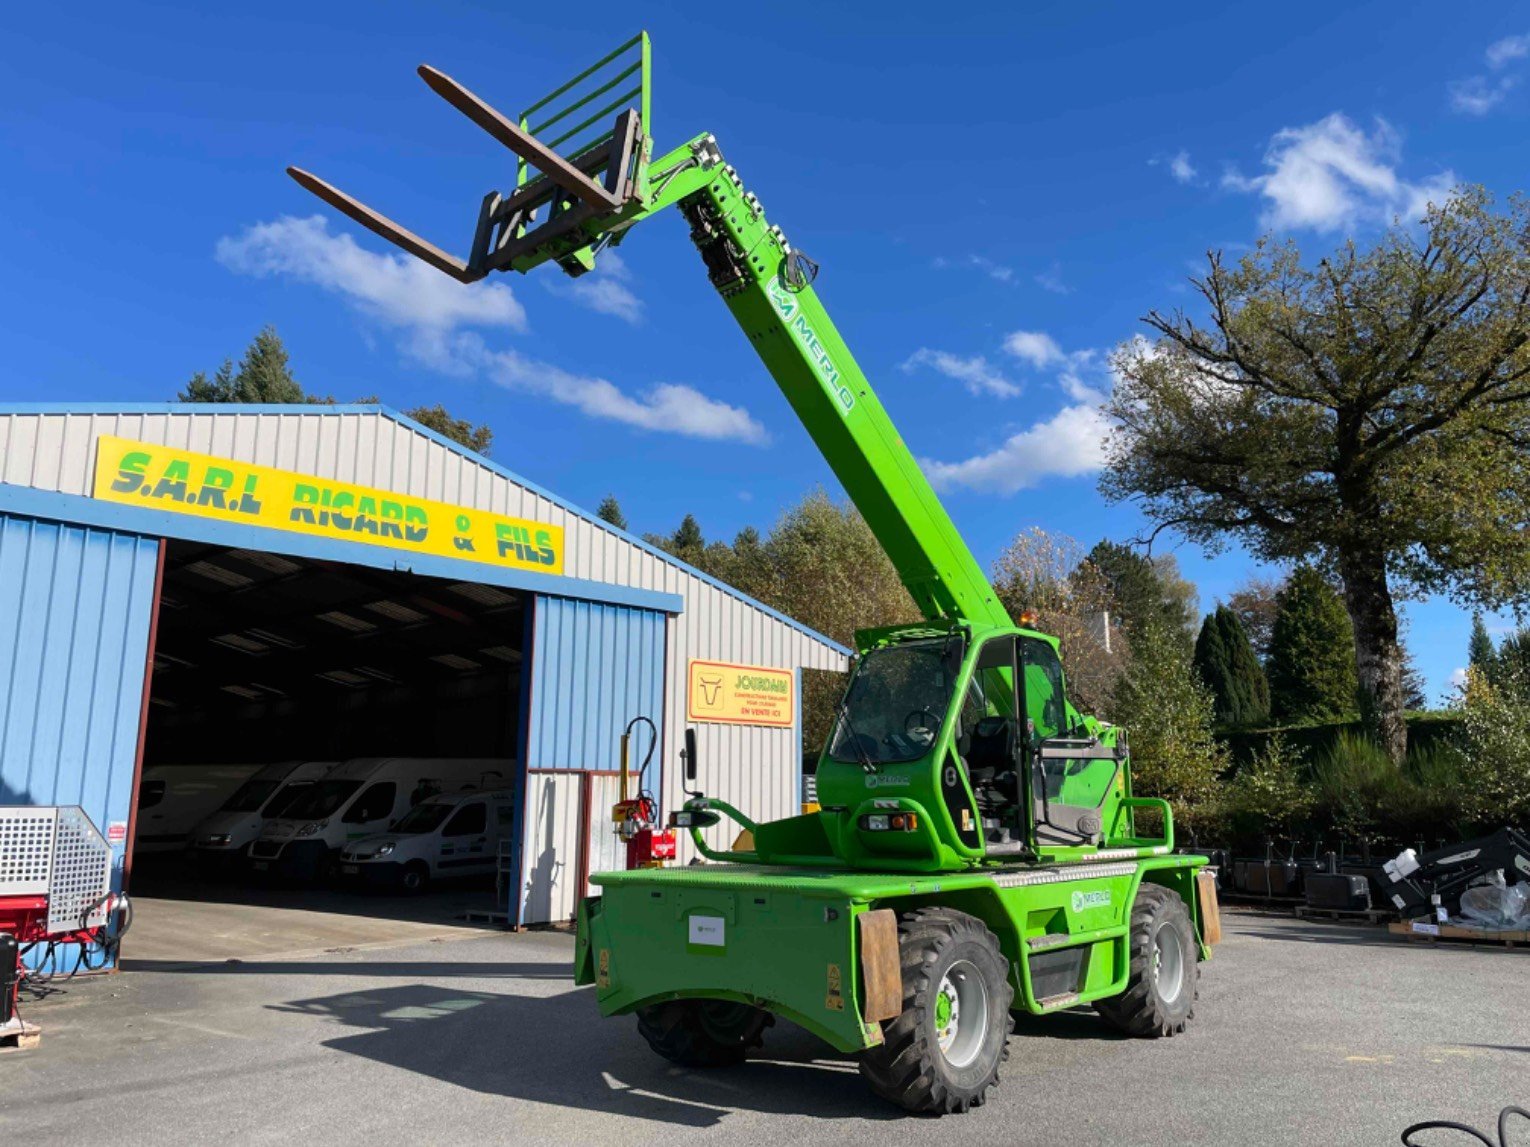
point(990, 759)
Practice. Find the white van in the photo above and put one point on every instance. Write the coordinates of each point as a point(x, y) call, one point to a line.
point(172, 799)
point(356, 799)
point(223, 837)
point(450, 836)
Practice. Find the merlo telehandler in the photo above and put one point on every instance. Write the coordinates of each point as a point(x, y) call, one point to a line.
point(976, 849)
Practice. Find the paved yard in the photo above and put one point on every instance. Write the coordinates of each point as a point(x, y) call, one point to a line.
point(1305, 1034)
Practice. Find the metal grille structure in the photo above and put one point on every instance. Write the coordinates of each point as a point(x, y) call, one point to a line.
point(26, 849)
point(55, 851)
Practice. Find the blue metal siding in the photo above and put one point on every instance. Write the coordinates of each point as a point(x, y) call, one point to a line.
point(75, 612)
point(594, 667)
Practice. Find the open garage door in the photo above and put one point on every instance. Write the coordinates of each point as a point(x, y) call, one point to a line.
point(331, 754)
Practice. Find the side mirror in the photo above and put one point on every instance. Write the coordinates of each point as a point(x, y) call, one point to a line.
point(690, 756)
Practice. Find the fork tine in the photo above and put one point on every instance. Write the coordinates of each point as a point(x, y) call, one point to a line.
point(381, 225)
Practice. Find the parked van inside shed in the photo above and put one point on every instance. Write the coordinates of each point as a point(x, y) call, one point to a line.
point(172, 799)
point(355, 800)
point(453, 836)
point(224, 837)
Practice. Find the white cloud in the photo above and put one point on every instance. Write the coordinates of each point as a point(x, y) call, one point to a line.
point(1330, 175)
point(665, 407)
point(998, 272)
point(1478, 95)
point(1179, 165)
point(1035, 347)
point(1510, 48)
point(606, 289)
point(1051, 280)
point(433, 314)
point(1458, 678)
point(393, 289)
point(975, 373)
point(1067, 445)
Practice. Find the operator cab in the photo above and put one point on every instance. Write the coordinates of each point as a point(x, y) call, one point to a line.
point(1017, 769)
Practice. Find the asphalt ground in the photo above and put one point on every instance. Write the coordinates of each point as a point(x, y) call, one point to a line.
point(1305, 1033)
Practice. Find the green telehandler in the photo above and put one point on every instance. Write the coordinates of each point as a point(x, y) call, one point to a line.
point(976, 849)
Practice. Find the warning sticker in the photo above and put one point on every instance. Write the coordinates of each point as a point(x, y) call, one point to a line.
point(835, 1001)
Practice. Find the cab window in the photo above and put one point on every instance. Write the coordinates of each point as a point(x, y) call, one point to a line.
point(469, 820)
point(1045, 707)
point(373, 804)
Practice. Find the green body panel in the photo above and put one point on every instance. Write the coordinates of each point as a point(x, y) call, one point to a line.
point(788, 938)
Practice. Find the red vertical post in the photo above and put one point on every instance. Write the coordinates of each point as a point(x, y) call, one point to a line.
point(143, 714)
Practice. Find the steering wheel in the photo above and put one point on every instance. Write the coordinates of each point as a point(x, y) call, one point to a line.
point(921, 725)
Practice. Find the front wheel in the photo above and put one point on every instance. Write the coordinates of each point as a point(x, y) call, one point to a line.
point(703, 1033)
point(942, 1054)
point(1159, 999)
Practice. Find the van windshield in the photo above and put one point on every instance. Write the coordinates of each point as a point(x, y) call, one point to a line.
point(284, 800)
point(250, 796)
point(423, 817)
point(321, 798)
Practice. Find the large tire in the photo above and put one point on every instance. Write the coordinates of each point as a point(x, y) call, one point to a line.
point(942, 1054)
point(1161, 986)
point(703, 1033)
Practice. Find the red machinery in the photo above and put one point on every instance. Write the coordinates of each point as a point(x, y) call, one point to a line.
point(637, 817)
point(55, 894)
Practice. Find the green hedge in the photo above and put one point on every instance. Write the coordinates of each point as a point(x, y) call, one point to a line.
point(1313, 740)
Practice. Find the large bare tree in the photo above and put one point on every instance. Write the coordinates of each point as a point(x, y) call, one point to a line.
point(1370, 413)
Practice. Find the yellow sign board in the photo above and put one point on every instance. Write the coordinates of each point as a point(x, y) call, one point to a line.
point(740, 694)
point(164, 478)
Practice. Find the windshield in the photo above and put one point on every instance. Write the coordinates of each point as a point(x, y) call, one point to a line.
point(423, 817)
point(895, 704)
point(284, 800)
point(250, 796)
point(321, 798)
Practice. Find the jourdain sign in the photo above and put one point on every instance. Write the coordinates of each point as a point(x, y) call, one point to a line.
point(740, 694)
point(164, 478)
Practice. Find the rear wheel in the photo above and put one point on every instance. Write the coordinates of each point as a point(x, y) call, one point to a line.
point(1160, 994)
point(943, 1052)
point(703, 1033)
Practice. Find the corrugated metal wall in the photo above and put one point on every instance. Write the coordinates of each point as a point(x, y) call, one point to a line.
point(754, 768)
point(75, 612)
point(594, 668)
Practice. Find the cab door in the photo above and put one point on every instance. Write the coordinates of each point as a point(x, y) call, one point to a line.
point(1072, 773)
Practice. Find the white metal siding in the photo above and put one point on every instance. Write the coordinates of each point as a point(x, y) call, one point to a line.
point(550, 848)
point(753, 768)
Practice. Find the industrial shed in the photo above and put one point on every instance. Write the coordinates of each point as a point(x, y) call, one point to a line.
point(216, 587)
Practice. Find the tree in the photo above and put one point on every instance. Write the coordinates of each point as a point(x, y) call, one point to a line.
point(610, 512)
point(1168, 716)
point(475, 438)
point(264, 375)
point(1226, 664)
point(1254, 603)
point(1371, 413)
point(1480, 653)
point(1312, 669)
point(1047, 575)
point(1144, 601)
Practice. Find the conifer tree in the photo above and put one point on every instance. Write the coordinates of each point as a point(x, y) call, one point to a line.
point(1312, 665)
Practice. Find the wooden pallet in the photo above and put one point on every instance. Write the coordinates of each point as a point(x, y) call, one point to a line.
point(1423, 932)
point(22, 1038)
point(1359, 915)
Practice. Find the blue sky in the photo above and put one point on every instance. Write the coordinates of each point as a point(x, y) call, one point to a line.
point(995, 200)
